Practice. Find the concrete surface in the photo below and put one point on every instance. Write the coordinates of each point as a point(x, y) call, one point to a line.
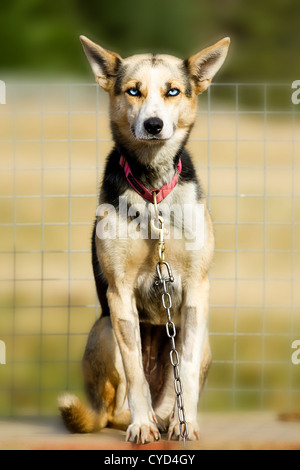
point(219, 431)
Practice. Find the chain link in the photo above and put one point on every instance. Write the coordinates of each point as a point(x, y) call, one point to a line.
point(170, 325)
point(174, 356)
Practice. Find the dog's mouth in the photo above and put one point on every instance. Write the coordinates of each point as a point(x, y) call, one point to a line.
point(151, 139)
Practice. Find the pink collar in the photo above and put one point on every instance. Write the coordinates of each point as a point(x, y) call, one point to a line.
point(161, 193)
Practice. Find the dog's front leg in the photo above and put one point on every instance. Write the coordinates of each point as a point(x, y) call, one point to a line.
point(126, 326)
point(194, 340)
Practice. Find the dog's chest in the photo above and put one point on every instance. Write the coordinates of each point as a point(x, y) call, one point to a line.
point(133, 257)
point(148, 293)
point(144, 258)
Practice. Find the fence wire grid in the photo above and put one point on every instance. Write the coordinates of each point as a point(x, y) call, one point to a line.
point(245, 145)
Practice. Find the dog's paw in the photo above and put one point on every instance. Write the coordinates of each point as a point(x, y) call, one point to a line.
point(174, 431)
point(142, 433)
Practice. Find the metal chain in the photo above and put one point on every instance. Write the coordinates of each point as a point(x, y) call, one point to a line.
point(170, 325)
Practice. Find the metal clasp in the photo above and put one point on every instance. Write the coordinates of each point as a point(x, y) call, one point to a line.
point(162, 279)
point(160, 230)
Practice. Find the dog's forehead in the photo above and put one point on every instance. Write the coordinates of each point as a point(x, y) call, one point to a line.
point(138, 65)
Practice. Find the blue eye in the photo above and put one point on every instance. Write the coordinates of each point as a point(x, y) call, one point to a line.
point(173, 92)
point(133, 92)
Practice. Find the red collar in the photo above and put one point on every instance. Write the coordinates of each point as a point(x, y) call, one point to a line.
point(161, 193)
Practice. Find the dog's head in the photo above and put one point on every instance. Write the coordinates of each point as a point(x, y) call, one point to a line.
point(153, 97)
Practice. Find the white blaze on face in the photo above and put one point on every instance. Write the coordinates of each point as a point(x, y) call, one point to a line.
point(155, 106)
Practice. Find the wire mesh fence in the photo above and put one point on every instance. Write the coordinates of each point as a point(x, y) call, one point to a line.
point(245, 144)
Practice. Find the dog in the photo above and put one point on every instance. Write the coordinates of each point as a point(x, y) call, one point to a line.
point(126, 366)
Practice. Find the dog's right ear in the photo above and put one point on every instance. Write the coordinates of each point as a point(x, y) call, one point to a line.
point(105, 64)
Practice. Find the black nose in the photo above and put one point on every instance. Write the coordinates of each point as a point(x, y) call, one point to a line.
point(153, 125)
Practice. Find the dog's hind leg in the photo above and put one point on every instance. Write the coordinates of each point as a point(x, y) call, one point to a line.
point(104, 382)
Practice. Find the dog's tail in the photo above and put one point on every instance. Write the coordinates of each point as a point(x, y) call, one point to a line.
point(78, 418)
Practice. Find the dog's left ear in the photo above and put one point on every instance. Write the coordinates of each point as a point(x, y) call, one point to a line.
point(105, 64)
point(203, 66)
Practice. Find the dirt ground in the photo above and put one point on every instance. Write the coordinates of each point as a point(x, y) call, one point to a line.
point(241, 431)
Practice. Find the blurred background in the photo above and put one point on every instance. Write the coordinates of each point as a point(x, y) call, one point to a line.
point(40, 37)
point(54, 138)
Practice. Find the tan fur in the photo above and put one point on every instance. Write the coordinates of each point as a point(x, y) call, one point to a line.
point(127, 374)
point(78, 418)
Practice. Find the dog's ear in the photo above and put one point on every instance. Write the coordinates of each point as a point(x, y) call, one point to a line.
point(203, 66)
point(105, 64)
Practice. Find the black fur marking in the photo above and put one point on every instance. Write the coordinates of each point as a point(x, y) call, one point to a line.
point(118, 64)
point(119, 80)
point(188, 85)
point(139, 85)
point(114, 182)
point(155, 60)
point(168, 86)
point(100, 280)
point(186, 65)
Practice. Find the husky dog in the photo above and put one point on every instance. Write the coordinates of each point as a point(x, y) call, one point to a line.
point(126, 365)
